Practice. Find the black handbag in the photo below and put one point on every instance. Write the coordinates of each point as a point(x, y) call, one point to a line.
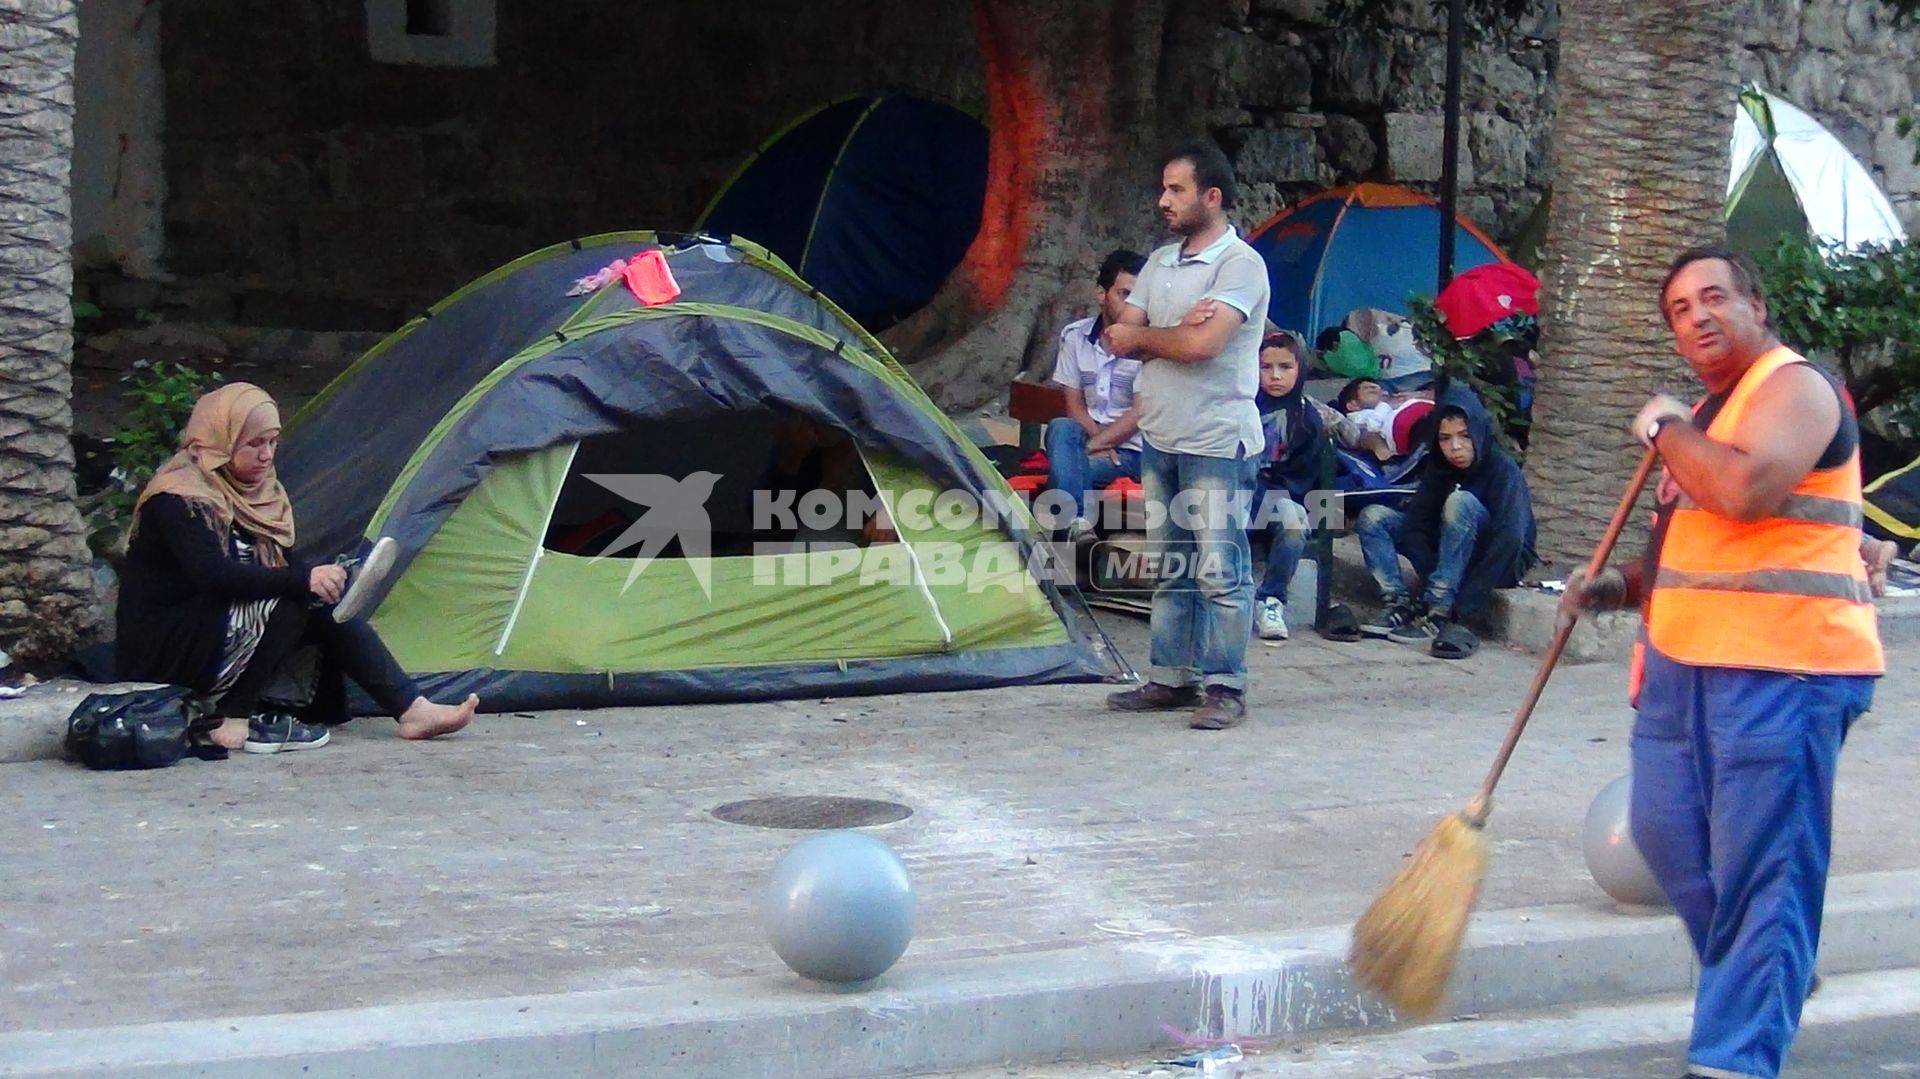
point(146, 728)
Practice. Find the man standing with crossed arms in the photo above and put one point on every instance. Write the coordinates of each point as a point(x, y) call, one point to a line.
point(1203, 438)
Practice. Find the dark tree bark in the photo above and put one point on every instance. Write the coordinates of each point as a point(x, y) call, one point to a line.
point(1640, 156)
point(1082, 93)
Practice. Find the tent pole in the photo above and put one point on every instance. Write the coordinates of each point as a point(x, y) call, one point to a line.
point(539, 552)
point(1450, 140)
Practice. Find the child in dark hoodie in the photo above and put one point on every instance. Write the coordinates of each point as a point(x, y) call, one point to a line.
point(1297, 450)
point(1468, 529)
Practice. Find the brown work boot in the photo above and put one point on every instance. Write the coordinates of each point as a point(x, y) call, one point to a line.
point(1224, 708)
point(1154, 697)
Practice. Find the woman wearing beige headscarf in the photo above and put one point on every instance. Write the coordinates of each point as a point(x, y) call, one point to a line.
point(213, 597)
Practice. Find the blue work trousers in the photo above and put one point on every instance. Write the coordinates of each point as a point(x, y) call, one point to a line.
point(1732, 808)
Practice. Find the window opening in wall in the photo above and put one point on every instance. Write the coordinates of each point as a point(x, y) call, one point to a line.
point(430, 18)
point(434, 33)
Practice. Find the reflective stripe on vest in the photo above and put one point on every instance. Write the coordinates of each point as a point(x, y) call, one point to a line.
point(1814, 508)
point(1785, 582)
point(1787, 592)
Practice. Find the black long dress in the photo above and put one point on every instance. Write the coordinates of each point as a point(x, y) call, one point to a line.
point(178, 583)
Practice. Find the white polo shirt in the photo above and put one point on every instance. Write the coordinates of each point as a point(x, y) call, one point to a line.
point(1204, 408)
point(1105, 381)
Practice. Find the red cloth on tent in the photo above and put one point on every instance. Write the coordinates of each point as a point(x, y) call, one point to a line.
point(1486, 294)
point(1028, 484)
point(650, 281)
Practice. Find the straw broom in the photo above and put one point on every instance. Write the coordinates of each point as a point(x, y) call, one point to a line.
point(1405, 944)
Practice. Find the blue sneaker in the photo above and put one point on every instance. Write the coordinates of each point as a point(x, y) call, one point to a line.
point(276, 732)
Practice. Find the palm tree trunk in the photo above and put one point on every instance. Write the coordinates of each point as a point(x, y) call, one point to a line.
point(1646, 98)
point(45, 587)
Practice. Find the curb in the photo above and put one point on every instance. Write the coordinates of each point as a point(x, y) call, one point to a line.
point(1524, 617)
point(1040, 1006)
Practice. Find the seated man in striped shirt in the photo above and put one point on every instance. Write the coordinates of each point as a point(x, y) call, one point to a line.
point(1098, 440)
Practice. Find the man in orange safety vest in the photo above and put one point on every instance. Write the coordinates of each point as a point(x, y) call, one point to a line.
point(1759, 649)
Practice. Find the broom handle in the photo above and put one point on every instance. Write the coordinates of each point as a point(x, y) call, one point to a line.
point(1481, 805)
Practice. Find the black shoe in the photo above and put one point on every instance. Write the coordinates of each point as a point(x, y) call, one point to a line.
point(1418, 631)
point(1224, 708)
point(1154, 697)
point(1398, 615)
point(278, 732)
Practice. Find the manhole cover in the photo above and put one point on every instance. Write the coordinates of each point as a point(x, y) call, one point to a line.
point(812, 813)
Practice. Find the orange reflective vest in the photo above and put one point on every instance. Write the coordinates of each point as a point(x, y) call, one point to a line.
point(1784, 593)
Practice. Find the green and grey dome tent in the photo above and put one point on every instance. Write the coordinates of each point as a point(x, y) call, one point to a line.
point(505, 435)
point(1791, 176)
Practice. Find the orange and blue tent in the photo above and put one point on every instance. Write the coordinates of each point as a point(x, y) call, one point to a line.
point(1362, 245)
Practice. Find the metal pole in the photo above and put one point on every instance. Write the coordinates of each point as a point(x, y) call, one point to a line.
point(1450, 139)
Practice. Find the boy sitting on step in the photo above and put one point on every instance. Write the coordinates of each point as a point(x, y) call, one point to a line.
point(1467, 529)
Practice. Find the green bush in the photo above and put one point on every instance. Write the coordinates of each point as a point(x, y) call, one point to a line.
point(162, 396)
point(1478, 361)
point(1857, 311)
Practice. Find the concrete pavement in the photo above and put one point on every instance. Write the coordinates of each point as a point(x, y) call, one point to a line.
point(564, 874)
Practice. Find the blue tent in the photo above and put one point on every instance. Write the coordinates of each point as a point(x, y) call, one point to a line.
point(1363, 245)
point(872, 199)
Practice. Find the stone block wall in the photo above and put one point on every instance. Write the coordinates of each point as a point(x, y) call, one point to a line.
point(309, 186)
point(1847, 64)
point(1303, 104)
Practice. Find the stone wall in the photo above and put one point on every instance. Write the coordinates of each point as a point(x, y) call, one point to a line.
point(1844, 62)
point(117, 150)
point(1303, 104)
point(310, 187)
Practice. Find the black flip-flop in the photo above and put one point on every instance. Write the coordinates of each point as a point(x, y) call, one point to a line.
point(1339, 624)
point(1454, 641)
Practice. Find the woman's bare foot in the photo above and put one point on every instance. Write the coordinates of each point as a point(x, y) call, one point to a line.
point(425, 719)
point(230, 734)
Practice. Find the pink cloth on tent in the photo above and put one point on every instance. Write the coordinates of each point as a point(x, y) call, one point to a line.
point(650, 279)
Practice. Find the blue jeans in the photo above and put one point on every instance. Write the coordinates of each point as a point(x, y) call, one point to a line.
point(1286, 536)
point(1460, 576)
point(1732, 809)
point(1070, 469)
point(1202, 617)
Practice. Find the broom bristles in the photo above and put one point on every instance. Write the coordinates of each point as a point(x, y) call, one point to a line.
point(1405, 945)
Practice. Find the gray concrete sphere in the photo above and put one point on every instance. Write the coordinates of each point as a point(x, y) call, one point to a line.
point(1612, 857)
point(839, 907)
